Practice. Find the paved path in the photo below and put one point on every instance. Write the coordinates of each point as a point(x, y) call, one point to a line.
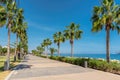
point(36, 68)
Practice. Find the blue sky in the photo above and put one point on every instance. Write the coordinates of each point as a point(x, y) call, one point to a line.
point(45, 17)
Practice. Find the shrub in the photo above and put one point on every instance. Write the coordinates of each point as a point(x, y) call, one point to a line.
point(116, 66)
point(61, 58)
point(113, 67)
point(54, 57)
point(43, 56)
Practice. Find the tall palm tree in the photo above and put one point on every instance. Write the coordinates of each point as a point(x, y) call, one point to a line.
point(10, 8)
point(0, 50)
point(35, 52)
point(22, 47)
point(47, 42)
point(40, 49)
point(72, 32)
point(18, 24)
point(19, 47)
point(52, 51)
point(23, 37)
point(58, 38)
point(25, 46)
point(106, 16)
point(43, 45)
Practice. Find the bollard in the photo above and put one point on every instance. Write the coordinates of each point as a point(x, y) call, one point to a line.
point(5, 65)
point(85, 64)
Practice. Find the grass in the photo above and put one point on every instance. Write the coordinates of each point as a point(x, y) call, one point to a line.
point(3, 73)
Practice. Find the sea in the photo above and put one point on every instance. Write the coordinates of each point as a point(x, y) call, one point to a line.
point(96, 56)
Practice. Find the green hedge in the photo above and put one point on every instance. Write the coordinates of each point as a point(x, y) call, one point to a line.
point(113, 67)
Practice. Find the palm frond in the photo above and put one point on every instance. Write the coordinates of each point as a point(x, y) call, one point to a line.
point(71, 32)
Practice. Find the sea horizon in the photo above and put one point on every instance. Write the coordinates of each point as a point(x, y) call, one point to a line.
point(91, 55)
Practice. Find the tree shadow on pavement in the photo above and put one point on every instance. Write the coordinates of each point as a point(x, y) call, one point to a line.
point(22, 66)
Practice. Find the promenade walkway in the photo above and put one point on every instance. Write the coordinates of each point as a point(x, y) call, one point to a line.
point(36, 68)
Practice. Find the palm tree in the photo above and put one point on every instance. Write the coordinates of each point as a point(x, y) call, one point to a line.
point(106, 16)
point(10, 8)
point(23, 38)
point(0, 50)
point(52, 51)
point(35, 52)
point(18, 24)
point(58, 38)
point(72, 33)
point(19, 46)
point(21, 34)
point(40, 49)
point(46, 43)
point(43, 45)
point(25, 45)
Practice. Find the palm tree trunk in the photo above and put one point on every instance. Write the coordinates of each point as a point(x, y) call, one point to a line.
point(108, 44)
point(59, 49)
point(15, 55)
point(7, 64)
point(21, 53)
point(47, 52)
point(72, 47)
point(51, 54)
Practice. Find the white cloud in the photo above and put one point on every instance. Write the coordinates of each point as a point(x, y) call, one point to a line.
point(41, 26)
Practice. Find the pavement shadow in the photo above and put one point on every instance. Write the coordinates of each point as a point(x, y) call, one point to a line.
point(22, 66)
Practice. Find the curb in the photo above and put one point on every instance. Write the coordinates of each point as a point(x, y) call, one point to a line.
point(12, 72)
point(8, 77)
